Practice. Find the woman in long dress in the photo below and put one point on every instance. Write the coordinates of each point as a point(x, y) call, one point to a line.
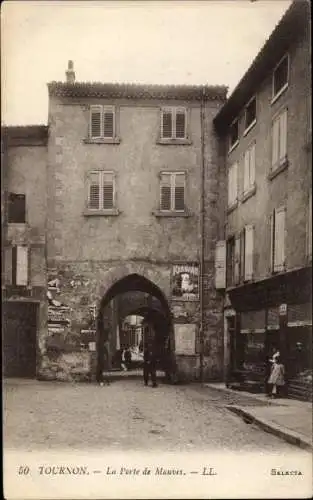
point(277, 377)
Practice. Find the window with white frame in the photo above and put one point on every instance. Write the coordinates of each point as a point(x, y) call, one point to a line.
point(279, 140)
point(101, 190)
point(234, 134)
point(250, 113)
point(174, 123)
point(16, 265)
point(280, 76)
point(172, 191)
point(277, 227)
point(249, 169)
point(232, 184)
point(102, 122)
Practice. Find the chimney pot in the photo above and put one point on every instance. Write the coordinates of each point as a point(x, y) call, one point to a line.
point(70, 73)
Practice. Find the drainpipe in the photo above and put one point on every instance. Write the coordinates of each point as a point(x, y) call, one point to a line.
point(201, 284)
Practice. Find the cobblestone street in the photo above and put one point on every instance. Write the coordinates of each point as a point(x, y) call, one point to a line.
point(127, 415)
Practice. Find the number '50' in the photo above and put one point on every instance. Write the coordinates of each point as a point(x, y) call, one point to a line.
point(23, 470)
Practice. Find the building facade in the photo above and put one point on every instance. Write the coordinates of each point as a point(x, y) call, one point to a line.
point(266, 131)
point(125, 169)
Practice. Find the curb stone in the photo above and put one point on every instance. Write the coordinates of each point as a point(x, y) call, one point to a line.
point(291, 437)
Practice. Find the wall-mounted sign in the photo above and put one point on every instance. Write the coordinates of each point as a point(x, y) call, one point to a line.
point(283, 309)
point(185, 338)
point(185, 281)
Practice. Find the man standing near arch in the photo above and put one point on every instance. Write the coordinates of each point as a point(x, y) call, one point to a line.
point(149, 365)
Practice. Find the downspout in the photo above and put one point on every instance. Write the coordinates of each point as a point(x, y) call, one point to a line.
point(201, 283)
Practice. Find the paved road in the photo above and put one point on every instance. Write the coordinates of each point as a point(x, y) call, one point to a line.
point(126, 415)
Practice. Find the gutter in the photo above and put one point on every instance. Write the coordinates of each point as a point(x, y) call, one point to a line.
point(201, 280)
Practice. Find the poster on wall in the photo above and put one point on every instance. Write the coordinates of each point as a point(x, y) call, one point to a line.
point(185, 338)
point(185, 281)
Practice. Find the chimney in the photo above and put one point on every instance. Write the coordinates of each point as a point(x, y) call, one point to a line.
point(70, 73)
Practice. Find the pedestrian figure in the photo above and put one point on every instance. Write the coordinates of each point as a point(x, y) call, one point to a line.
point(149, 366)
point(128, 358)
point(277, 377)
point(122, 360)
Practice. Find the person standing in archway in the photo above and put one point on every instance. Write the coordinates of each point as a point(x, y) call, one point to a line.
point(149, 366)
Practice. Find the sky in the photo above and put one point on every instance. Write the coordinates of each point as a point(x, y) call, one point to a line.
point(165, 42)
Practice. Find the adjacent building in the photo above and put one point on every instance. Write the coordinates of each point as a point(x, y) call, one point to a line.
point(266, 131)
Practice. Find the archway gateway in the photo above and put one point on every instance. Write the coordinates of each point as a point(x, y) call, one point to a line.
point(159, 321)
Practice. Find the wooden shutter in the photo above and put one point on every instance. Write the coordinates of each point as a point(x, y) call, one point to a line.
point(179, 193)
point(108, 190)
point(167, 124)
point(242, 254)
point(108, 122)
point(8, 265)
point(272, 245)
point(220, 264)
point(279, 239)
point(232, 184)
point(165, 194)
point(249, 248)
point(237, 260)
point(275, 142)
point(180, 124)
point(246, 175)
point(94, 191)
point(283, 136)
point(95, 121)
point(22, 265)
point(252, 165)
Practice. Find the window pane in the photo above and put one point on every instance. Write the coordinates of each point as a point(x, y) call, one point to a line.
point(233, 133)
point(108, 124)
point(165, 198)
point(179, 198)
point(166, 179)
point(251, 112)
point(275, 142)
point(16, 208)
point(281, 75)
point(283, 136)
point(95, 123)
point(166, 124)
point(180, 124)
point(246, 177)
point(179, 179)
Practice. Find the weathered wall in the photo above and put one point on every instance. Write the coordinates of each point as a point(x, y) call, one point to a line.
point(290, 187)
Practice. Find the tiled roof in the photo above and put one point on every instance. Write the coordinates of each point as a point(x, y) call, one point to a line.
point(286, 31)
point(137, 91)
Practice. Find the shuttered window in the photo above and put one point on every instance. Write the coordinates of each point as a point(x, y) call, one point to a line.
point(249, 251)
point(249, 169)
point(100, 190)
point(102, 122)
point(220, 265)
point(16, 265)
point(279, 140)
point(173, 123)
point(232, 184)
point(172, 191)
point(230, 263)
point(237, 259)
point(277, 252)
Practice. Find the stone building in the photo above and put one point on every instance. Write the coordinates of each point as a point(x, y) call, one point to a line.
point(23, 210)
point(129, 185)
point(266, 131)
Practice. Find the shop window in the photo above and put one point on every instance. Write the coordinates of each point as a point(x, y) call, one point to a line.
point(16, 208)
point(277, 227)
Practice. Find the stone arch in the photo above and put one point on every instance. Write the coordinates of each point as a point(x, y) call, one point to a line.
point(134, 277)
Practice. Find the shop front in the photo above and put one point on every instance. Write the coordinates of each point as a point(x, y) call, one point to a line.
point(262, 317)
